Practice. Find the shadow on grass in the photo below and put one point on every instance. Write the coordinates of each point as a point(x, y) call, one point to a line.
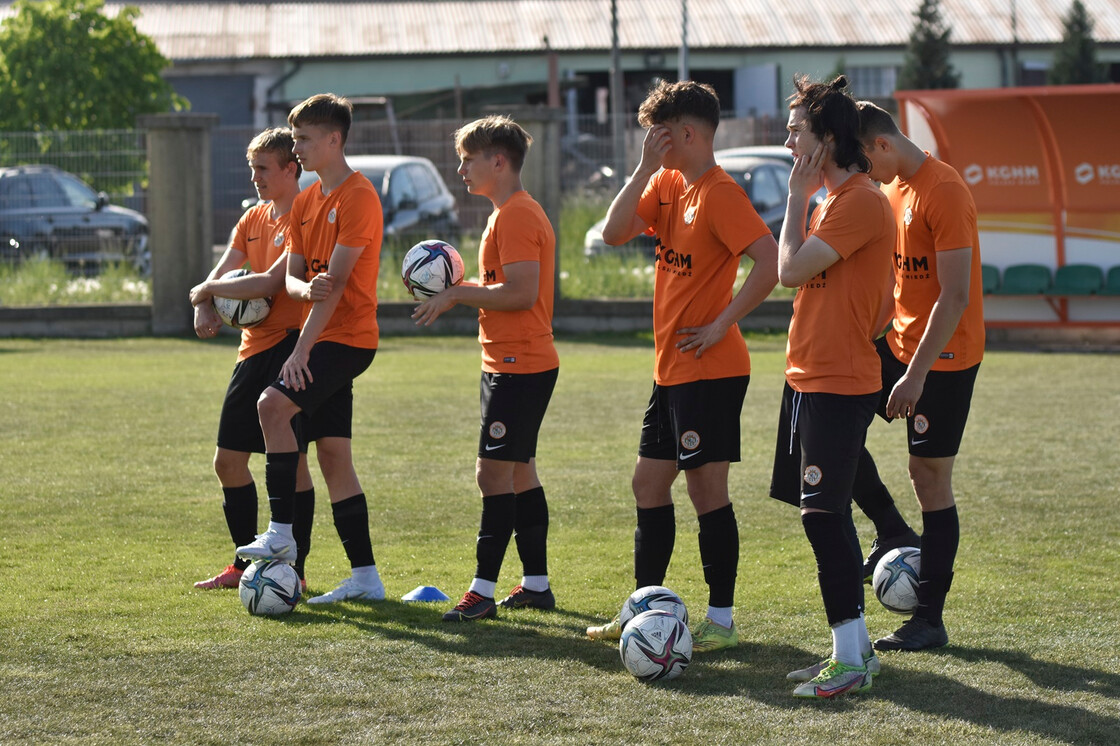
point(1047, 674)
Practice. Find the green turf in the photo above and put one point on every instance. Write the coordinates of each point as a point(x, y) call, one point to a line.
point(109, 511)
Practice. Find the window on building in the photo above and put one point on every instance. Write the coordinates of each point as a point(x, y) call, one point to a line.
point(872, 82)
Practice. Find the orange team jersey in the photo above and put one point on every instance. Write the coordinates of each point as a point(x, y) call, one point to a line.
point(830, 348)
point(261, 238)
point(934, 212)
point(702, 230)
point(349, 216)
point(518, 341)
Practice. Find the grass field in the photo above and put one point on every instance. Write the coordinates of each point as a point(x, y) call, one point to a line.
point(109, 511)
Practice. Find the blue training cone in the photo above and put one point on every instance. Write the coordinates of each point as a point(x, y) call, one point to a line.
point(425, 593)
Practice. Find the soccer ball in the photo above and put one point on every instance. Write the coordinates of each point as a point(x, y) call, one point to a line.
point(652, 597)
point(655, 645)
point(896, 579)
point(241, 314)
point(269, 587)
point(429, 267)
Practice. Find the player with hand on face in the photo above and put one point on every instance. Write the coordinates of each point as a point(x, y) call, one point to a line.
point(930, 355)
point(704, 224)
point(832, 370)
point(516, 260)
point(258, 239)
point(334, 247)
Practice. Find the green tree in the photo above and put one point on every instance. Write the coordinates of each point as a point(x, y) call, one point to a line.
point(65, 65)
point(1075, 59)
point(926, 64)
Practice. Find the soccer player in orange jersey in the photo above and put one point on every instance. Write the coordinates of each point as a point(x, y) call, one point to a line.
point(334, 246)
point(258, 239)
point(516, 262)
point(930, 354)
point(840, 268)
point(705, 224)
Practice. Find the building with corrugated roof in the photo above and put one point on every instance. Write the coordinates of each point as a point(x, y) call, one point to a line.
point(249, 61)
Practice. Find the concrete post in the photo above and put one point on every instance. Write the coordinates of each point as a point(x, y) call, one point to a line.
point(541, 173)
point(180, 213)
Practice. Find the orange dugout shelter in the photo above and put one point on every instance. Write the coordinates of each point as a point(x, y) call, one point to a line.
point(1044, 168)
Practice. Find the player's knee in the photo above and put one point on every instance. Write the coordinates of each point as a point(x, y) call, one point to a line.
point(231, 467)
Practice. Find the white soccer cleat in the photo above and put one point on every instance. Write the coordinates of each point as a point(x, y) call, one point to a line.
point(351, 590)
point(270, 545)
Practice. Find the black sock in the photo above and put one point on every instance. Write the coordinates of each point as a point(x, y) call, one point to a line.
point(530, 531)
point(280, 481)
point(240, 507)
point(653, 544)
point(874, 499)
point(839, 569)
point(301, 527)
point(351, 521)
point(495, 528)
point(941, 534)
point(719, 554)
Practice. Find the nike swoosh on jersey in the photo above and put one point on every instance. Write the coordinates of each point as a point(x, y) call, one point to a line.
point(252, 238)
point(687, 456)
point(305, 222)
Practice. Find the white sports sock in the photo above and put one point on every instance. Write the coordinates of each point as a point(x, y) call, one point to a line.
point(721, 615)
point(845, 642)
point(366, 575)
point(535, 583)
point(483, 588)
point(284, 529)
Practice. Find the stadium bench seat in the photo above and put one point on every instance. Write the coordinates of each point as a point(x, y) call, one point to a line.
point(989, 278)
point(1077, 279)
point(1024, 279)
point(1112, 282)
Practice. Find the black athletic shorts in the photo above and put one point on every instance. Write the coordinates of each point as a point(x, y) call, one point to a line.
point(694, 423)
point(239, 428)
point(328, 400)
point(936, 427)
point(820, 437)
point(513, 407)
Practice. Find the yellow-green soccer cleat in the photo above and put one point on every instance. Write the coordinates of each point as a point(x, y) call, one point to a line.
point(808, 674)
point(836, 678)
point(710, 636)
point(611, 631)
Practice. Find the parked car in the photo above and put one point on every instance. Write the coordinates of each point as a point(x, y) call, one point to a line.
point(45, 211)
point(764, 179)
point(414, 198)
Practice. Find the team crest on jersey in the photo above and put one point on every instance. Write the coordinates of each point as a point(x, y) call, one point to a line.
point(497, 430)
point(690, 215)
point(690, 440)
point(279, 240)
point(332, 215)
point(921, 424)
point(813, 475)
point(908, 216)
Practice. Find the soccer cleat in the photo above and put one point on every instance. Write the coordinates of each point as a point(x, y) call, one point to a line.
point(914, 634)
point(270, 546)
point(836, 678)
point(473, 606)
point(227, 578)
point(610, 632)
point(303, 586)
point(710, 636)
point(522, 598)
point(871, 661)
point(882, 545)
point(351, 590)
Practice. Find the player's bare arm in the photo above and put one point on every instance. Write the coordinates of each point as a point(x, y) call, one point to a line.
point(799, 258)
point(256, 285)
point(295, 373)
point(756, 288)
point(206, 320)
point(518, 293)
point(623, 222)
point(954, 273)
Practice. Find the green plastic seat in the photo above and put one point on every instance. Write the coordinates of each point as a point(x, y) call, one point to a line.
point(1112, 282)
point(1077, 279)
point(989, 278)
point(1024, 279)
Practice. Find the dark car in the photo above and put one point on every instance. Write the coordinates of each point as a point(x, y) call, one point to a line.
point(47, 212)
point(764, 179)
point(414, 199)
